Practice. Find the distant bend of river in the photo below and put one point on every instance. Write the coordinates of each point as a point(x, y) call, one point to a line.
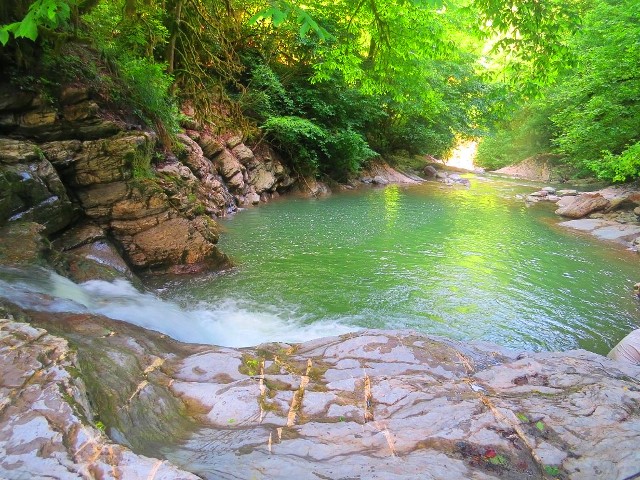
point(469, 264)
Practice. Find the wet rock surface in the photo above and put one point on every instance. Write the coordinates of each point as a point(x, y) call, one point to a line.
point(374, 404)
point(47, 427)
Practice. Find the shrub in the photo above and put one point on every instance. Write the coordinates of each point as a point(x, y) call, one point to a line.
point(347, 152)
point(300, 140)
point(618, 168)
point(148, 89)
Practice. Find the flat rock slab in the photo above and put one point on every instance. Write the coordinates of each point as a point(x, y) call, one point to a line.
point(605, 229)
point(47, 428)
point(397, 405)
point(372, 404)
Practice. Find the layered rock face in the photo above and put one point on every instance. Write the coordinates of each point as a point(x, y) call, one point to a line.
point(74, 166)
point(387, 404)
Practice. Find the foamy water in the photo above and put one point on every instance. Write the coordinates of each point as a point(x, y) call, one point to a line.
point(223, 323)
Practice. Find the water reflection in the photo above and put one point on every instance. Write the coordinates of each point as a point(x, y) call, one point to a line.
point(391, 196)
point(463, 263)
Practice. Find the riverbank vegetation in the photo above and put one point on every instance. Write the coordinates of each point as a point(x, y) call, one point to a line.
point(590, 113)
point(332, 86)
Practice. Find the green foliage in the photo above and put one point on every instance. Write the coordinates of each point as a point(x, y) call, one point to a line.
point(598, 104)
point(312, 149)
point(129, 44)
point(41, 14)
point(591, 115)
point(265, 96)
point(279, 11)
point(618, 168)
point(552, 470)
point(530, 38)
point(148, 88)
point(526, 134)
point(499, 460)
point(346, 153)
point(302, 141)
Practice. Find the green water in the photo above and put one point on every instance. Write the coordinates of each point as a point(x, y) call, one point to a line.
point(462, 263)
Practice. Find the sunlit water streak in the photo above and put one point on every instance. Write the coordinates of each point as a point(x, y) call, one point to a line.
point(467, 264)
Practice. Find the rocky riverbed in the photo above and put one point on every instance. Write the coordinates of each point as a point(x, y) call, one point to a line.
point(87, 397)
point(612, 213)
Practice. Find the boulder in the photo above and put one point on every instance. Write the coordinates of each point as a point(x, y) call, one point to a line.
point(173, 242)
point(98, 260)
point(79, 235)
point(549, 190)
point(628, 349)
point(565, 201)
point(233, 141)
point(194, 158)
point(23, 244)
point(12, 99)
point(380, 180)
point(251, 198)
point(539, 193)
point(236, 183)
point(18, 151)
point(91, 162)
point(30, 189)
point(72, 94)
point(262, 179)
point(243, 153)
point(228, 165)
point(430, 171)
point(567, 193)
point(210, 145)
point(583, 205)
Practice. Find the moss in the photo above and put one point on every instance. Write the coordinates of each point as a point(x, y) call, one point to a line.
point(250, 365)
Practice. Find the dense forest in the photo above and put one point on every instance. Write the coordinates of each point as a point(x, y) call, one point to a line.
point(332, 85)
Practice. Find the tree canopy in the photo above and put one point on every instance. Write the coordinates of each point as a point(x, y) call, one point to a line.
point(333, 84)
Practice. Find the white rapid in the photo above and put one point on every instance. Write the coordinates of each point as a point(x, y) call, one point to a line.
point(224, 323)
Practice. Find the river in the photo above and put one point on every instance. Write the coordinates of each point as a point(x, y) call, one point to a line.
point(470, 264)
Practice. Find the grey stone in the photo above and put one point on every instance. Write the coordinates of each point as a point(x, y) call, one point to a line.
point(379, 180)
point(390, 402)
point(583, 205)
point(243, 153)
point(47, 429)
point(429, 171)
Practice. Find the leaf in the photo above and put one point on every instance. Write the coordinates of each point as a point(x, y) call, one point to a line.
point(498, 460)
point(304, 28)
point(4, 36)
point(540, 425)
point(552, 470)
point(522, 417)
point(490, 453)
point(28, 29)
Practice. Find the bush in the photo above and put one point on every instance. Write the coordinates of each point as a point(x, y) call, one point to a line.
point(148, 89)
point(416, 136)
point(300, 140)
point(265, 96)
point(618, 168)
point(347, 152)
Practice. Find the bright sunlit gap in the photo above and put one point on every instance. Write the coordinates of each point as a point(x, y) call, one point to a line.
point(463, 155)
